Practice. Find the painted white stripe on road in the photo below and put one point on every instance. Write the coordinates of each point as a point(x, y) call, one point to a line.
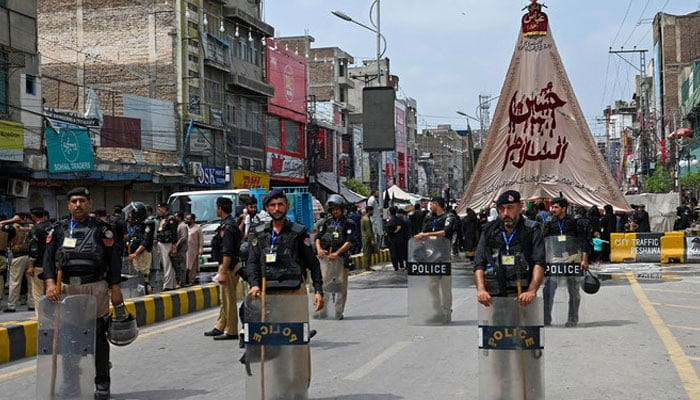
point(676, 306)
point(366, 369)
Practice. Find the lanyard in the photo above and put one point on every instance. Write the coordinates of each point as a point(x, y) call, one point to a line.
point(131, 230)
point(336, 225)
point(73, 224)
point(435, 223)
point(274, 239)
point(509, 239)
point(561, 224)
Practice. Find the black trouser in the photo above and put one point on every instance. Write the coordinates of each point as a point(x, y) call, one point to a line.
point(101, 353)
point(550, 287)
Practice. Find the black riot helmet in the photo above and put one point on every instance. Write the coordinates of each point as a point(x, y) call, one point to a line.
point(335, 201)
point(591, 283)
point(137, 209)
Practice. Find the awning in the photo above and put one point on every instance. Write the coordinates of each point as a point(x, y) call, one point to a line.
point(330, 182)
point(396, 193)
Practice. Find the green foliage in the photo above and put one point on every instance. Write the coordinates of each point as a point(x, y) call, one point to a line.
point(691, 181)
point(660, 182)
point(357, 187)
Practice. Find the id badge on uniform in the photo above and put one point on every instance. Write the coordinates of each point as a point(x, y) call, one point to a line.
point(336, 235)
point(271, 258)
point(561, 238)
point(507, 260)
point(70, 243)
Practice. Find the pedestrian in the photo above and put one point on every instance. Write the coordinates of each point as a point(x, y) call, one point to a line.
point(608, 225)
point(83, 248)
point(19, 227)
point(377, 218)
point(416, 217)
point(7, 233)
point(118, 224)
point(395, 231)
point(641, 217)
point(681, 223)
point(369, 244)
point(597, 248)
point(471, 229)
point(459, 235)
point(484, 215)
point(226, 245)
point(565, 228)
point(440, 224)
point(195, 248)
point(251, 209)
point(139, 243)
point(542, 213)
point(166, 235)
point(334, 240)
point(355, 217)
point(594, 219)
point(406, 229)
point(37, 248)
point(179, 252)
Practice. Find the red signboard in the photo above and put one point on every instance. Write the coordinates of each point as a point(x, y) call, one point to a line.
point(286, 71)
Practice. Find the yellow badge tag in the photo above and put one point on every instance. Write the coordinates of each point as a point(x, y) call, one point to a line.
point(508, 260)
point(270, 258)
point(336, 235)
point(561, 238)
point(69, 243)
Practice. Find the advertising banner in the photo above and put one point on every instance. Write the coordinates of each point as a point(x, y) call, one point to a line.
point(243, 179)
point(211, 176)
point(287, 73)
point(69, 150)
point(11, 141)
point(285, 166)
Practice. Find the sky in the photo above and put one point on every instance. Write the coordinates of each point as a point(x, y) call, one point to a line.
point(447, 52)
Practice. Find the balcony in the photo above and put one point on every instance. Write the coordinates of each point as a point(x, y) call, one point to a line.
point(344, 81)
point(238, 15)
point(217, 53)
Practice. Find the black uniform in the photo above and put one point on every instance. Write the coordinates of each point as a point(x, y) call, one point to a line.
point(293, 257)
point(335, 233)
point(168, 233)
point(493, 256)
point(227, 242)
point(140, 234)
point(37, 242)
point(90, 259)
point(446, 222)
point(397, 229)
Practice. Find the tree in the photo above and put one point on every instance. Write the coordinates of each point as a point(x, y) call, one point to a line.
point(659, 182)
point(691, 182)
point(357, 187)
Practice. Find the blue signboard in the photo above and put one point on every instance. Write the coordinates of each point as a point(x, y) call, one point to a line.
point(69, 150)
point(211, 176)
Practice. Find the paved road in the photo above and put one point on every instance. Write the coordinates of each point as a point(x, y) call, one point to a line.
point(637, 339)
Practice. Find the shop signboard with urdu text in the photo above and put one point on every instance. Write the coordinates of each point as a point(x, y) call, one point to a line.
point(69, 150)
point(11, 141)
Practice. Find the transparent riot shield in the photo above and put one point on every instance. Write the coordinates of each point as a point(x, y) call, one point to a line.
point(132, 286)
point(511, 345)
point(66, 348)
point(278, 358)
point(334, 280)
point(429, 281)
point(561, 290)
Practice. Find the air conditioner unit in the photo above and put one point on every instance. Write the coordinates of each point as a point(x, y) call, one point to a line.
point(17, 188)
point(195, 169)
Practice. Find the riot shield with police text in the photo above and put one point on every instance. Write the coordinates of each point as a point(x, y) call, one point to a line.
point(429, 281)
point(334, 279)
point(561, 290)
point(66, 348)
point(278, 358)
point(511, 345)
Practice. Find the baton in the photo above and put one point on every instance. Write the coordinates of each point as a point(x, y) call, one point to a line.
point(262, 347)
point(54, 350)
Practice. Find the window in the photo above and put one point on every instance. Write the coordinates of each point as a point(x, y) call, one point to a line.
point(257, 165)
point(193, 58)
point(3, 82)
point(292, 136)
point(274, 139)
point(2, 3)
point(243, 49)
point(193, 26)
point(212, 92)
point(193, 74)
point(230, 114)
point(341, 67)
point(193, 42)
point(30, 85)
point(255, 48)
point(246, 163)
point(342, 95)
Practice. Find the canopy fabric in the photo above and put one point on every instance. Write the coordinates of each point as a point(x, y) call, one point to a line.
point(330, 182)
point(398, 194)
point(661, 208)
point(539, 142)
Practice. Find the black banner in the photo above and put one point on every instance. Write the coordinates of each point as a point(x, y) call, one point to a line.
point(429, 269)
point(563, 269)
point(494, 337)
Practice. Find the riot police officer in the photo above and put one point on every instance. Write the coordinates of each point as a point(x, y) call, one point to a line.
point(140, 240)
point(334, 240)
point(83, 248)
point(441, 224)
point(225, 247)
point(166, 236)
point(510, 257)
point(37, 248)
point(564, 227)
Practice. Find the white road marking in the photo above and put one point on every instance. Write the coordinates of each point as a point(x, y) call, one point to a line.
point(366, 369)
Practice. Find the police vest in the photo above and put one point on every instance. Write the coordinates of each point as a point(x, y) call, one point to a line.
point(37, 241)
point(504, 269)
point(138, 234)
point(86, 254)
point(217, 241)
point(168, 233)
point(286, 272)
point(334, 233)
point(20, 243)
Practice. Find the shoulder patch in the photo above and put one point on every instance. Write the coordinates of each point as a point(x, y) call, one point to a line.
point(307, 241)
point(49, 238)
point(148, 228)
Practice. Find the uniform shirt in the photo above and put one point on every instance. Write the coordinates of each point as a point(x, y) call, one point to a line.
point(105, 239)
point(141, 234)
point(10, 231)
point(444, 222)
point(167, 232)
point(37, 244)
point(533, 248)
point(230, 240)
point(302, 253)
point(343, 227)
point(569, 227)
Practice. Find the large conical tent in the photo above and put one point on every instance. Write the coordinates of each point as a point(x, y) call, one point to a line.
point(539, 143)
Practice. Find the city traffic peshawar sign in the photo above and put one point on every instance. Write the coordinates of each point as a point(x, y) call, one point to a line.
point(69, 150)
point(539, 142)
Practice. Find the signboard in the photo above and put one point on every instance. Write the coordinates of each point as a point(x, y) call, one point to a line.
point(287, 73)
point(692, 249)
point(211, 176)
point(243, 179)
point(200, 141)
point(284, 166)
point(378, 118)
point(11, 141)
point(69, 150)
point(429, 269)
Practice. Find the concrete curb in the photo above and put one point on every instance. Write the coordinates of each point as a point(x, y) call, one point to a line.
point(19, 339)
point(383, 256)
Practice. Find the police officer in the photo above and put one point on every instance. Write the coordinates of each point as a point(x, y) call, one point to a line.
point(225, 247)
point(83, 248)
point(441, 224)
point(334, 240)
point(511, 248)
point(7, 233)
point(166, 235)
point(139, 244)
point(566, 227)
point(21, 228)
point(280, 250)
point(37, 248)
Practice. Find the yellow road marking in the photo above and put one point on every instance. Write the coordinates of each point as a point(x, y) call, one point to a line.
point(673, 291)
point(680, 360)
point(694, 358)
point(688, 328)
point(27, 370)
point(676, 306)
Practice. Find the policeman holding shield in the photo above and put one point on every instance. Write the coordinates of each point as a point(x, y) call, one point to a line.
point(567, 243)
